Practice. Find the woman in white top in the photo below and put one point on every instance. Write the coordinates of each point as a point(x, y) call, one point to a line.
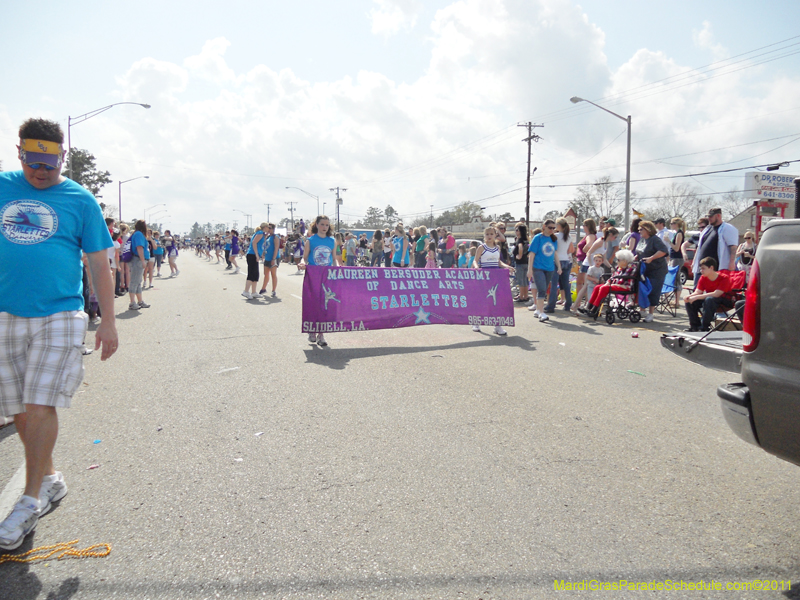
point(590, 237)
point(387, 248)
point(564, 251)
point(125, 270)
point(113, 261)
point(488, 257)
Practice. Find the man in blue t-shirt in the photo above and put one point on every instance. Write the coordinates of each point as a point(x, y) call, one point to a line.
point(46, 220)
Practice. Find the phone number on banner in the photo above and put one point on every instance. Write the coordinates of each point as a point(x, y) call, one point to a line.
point(509, 321)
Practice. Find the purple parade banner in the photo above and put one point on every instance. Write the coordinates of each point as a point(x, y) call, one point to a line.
point(363, 299)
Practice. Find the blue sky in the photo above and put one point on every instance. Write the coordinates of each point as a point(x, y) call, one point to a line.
point(404, 102)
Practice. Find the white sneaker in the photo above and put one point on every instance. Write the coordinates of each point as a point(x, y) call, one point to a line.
point(543, 317)
point(321, 340)
point(534, 310)
point(499, 330)
point(476, 328)
point(256, 296)
point(53, 489)
point(177, 272)
point(236, 271)
point(648, 318)
point(312, 337)
point(19, 523)
point(247, 295)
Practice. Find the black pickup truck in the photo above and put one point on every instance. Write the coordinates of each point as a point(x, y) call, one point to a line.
point(764, 407)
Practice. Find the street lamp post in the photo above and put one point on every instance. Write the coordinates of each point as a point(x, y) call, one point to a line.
point(291, 187)
point(153, 215)
point(120, 192)
point(323, 208)
point(247, 217)
point(148, 208)
point(575, 100)
point(85, 117)
point(339, 202)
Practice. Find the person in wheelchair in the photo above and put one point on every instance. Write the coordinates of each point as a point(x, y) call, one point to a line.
point(710, 295)
point(621, 281)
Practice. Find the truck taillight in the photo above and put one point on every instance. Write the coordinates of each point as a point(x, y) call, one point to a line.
point(752, 311)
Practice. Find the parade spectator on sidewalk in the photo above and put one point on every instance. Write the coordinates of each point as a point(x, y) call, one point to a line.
point(541, 266)
point(590, 236)
point(719, 241)
point(377, 248)
point(141, 255)
point(421, 248)
point(350, 248)
point(42, 327)
point(564, 251)
point(708, 297)
point(521, 259)
point(746, 253)
point(652, 251)
point(401, 247)
point(621, 281)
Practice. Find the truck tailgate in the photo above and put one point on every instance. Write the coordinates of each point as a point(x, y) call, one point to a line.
point(720, 350)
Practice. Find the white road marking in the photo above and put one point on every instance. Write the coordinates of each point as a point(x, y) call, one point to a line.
point(298, 297)
point(12, 492)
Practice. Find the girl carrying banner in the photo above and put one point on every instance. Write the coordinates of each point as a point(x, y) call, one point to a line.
point(488, 257)
point(320, 250)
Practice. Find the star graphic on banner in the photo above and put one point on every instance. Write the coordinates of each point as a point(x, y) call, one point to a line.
point(422, 316)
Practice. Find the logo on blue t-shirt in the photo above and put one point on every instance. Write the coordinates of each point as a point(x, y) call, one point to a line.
point(28, 221)
point(548, 248)
point(322, 255)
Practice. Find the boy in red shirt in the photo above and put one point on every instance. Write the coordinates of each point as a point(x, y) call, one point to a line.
point(709, 296)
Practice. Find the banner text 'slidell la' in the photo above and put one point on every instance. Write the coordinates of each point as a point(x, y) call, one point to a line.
point(360, 299)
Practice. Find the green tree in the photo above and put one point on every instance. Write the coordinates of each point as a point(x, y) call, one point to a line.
point(85, 172)
point(390, 216)
point(196, 231)
point(373, 219)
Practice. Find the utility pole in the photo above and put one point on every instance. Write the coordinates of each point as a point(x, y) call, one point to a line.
point(267, 205)
point(291, 212)
point(339, 202)
point(532, 137)
point(431, 216)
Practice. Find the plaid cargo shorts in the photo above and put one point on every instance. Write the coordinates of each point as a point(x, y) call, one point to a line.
point(41, 360)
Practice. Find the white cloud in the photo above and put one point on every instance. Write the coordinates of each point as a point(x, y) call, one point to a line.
point(704, 39)
point(393, 15)
point(210, 63)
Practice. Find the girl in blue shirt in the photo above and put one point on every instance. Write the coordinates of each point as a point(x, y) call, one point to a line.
point(271, 258)
point(320, 250)
point(401, 246)
point(542, 264)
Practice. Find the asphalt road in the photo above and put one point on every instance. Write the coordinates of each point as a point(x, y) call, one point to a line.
point(238, 461)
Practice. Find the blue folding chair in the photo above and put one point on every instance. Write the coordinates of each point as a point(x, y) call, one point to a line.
point(669, 293)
